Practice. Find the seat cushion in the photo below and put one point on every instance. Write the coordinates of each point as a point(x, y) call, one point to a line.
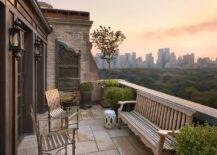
point(58, 113)
point(148, 130)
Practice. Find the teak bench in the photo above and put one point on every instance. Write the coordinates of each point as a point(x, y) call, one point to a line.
point(154, 120)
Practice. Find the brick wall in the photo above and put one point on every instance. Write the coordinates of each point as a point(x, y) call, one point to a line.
point(75, 35)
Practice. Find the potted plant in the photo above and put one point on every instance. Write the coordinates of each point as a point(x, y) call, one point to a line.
point(86, 94)
point(104, 85)
point(114, 94)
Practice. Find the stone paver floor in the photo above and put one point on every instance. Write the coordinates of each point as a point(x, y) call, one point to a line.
point(93, 138)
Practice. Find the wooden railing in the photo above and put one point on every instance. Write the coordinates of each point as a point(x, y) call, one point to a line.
point(203, 113)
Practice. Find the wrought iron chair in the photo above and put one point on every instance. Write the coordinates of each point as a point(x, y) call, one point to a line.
point(56, 111)
point(57, 140)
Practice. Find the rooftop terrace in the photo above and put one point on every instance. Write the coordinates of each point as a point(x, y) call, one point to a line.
point(93, 138)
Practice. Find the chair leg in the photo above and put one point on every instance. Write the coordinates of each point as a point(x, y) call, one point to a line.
point(66, 123)
point(61, 123)
point(66, 150)
point(77, 121)
point(73, 144)
point(49, 125)
point(39, 151)
point(73, 148)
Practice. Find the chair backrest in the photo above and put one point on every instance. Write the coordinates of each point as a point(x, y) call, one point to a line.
point(53, 99)
point(163, 113)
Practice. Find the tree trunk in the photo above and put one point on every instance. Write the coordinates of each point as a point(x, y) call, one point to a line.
point(109, 64)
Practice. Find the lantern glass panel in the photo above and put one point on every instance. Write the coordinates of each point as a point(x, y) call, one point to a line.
point(37, 51)
point(14, 39)
point(22, 40)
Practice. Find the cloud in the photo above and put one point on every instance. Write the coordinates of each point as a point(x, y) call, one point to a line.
point(208, 26)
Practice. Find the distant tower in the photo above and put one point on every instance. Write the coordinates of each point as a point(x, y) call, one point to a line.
point(188, 60)
point(163, 57)
point(149, 60)
point(128, 60)
point(133, 59)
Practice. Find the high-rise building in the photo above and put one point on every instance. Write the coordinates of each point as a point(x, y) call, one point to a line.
point(139, 62)
point(133, 59)
point(115, 61)
point(203, 62)
point(172, 61)
point(128, 62)
point(179, 62)
point(149, 60)
point(188, 60)
point(133, 56)
point(173, 58)
point(163, 57)
point(101, 63)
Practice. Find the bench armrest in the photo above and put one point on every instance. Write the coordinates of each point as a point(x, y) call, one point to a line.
point(122, 103)
point(126, 102)
point(164, 133)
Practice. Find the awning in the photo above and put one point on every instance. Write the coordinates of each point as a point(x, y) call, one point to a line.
point(67, 47)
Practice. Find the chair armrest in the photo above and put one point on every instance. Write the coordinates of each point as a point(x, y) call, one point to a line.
point(122, 103)
point(42, 119)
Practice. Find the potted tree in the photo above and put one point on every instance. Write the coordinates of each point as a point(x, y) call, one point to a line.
point(86, 94)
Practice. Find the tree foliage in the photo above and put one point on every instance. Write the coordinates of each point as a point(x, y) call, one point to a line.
point(107, 41)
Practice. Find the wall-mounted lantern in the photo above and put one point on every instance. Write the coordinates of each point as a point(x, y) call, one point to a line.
point(16, 39)
point(38, 48)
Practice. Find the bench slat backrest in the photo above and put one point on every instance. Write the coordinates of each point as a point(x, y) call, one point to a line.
point(165, 114)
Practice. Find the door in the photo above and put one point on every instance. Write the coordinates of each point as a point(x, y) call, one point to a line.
point(18, 68)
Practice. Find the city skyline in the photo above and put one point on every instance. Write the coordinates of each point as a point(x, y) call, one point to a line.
point(166, 59)
point(148, 25)
point(156, 54)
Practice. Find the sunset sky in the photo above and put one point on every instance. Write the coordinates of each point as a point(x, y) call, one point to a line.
point(185, 26)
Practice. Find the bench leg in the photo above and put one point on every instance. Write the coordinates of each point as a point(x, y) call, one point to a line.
point(119, 123)
point(159, 150)
point(66, 150)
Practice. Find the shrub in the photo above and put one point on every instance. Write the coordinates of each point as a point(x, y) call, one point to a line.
point(114, 94)
point(127, 94)
point(199, 140)
point(86, 86)
point(110, 83)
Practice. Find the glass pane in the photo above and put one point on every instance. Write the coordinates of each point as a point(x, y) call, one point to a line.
point(19, 104)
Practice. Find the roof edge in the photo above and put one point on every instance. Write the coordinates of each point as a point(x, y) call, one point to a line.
point(41, 15)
